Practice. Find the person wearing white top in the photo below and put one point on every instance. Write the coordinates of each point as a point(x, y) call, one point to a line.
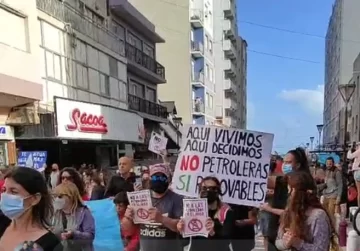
point(356, 167)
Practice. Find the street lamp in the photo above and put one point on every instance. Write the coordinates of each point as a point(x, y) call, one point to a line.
point(346, 91)
point(319, 127)
point(177, 121)
point(311, 142)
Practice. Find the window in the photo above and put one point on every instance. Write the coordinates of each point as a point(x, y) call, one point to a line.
point(211, 102)
point(148, 50)
point(86, 11)
point(207, 71)
point(113, 67)
point(118, 30)
point(134, 40)
point(151, 95)
point(53, 66)
point(123, 90)
point(211, 74)
point(81, 76)
point(206, 42)
point(104, 85)
point(15, 34)
point(211, 46)
point(207, 100)
point(137, 89)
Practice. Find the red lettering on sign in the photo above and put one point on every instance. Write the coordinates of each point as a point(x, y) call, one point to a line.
point(190, 162)
point(88, 123)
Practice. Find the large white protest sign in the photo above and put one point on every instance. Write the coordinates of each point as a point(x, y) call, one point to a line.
point(140, 201)
point(238, 158)
point(195, 216)
point(157, 143)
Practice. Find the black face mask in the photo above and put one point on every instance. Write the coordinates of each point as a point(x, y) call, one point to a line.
point(159, 187)
point(211, 196)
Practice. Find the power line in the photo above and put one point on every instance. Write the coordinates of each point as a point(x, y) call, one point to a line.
point(284, 57)
point(296, 32)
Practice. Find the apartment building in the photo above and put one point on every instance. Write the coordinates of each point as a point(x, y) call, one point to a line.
point(354, 104)
point(20, 82)
point(98, 76)
point(188, 57)
point(230, 71)
point(341, 49)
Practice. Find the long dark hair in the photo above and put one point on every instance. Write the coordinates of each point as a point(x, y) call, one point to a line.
point(34, 183)
point(301, 159)
point(304, 197)
point(218, 185)
point(76, 179)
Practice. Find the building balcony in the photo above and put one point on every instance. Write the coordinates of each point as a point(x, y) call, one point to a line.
point(197, 18)
point(145, 106)
point(230, 29)
point(128, 13)
point(230, 105)
point(229, 68)
point(229, 8)
point(229, 86)
point(141, 64)
point(198, 79)
point(64, 12)
point(198, 108)
point(229, 49)
point(197, 49)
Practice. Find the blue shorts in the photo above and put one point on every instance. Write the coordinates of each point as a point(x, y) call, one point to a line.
point(357, 175)
point(264, 223)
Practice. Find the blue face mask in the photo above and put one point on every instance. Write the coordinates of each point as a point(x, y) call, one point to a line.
point(287, 168)
point(12, 206)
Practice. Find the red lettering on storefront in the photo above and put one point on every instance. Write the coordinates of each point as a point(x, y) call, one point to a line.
point(89, 123)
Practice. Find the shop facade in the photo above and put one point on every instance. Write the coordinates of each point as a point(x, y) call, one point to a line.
point(6, 145)
point(82, 132)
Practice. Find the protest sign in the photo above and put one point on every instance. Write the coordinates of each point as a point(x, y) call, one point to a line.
point(195, 216)
point(107, 225)
point(157, 143)
point(35, 159)
point(140, 201)
point(238, 158)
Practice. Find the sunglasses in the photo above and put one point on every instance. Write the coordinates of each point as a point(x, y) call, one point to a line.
point(159, 178)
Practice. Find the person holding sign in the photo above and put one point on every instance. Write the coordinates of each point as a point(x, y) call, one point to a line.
point(220, 223)
point(161, 235)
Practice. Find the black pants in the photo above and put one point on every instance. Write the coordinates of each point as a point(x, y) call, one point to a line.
point(243, 245)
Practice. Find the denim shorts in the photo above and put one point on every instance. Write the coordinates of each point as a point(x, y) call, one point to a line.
point(357, 175)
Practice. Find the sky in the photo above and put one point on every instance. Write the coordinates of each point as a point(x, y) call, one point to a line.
point(285, 97)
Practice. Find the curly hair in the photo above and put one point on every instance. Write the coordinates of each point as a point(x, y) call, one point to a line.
point(76, 179)
point(301, 199)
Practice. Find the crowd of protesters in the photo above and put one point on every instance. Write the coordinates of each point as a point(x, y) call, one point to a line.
point(50, 214)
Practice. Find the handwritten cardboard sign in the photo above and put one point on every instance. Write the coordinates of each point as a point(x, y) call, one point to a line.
point(238, 158)
point(157, 143)
point(195, 216)
point(140, 201)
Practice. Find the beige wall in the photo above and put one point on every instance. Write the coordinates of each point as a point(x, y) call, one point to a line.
point(172, 23)
point(19, 45)
point(4, 112)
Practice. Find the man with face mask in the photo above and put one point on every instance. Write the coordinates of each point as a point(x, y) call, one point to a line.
point(162, 235)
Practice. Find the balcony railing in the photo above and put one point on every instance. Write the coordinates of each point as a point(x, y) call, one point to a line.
point(145, 106)
point(139, 57)
point(198, 77)
point(66, 13)
point(197, 47)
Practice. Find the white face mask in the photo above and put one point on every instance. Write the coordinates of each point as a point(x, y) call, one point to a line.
point(59, 203)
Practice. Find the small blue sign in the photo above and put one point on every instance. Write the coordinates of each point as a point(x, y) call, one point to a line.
point(35, 159)
point(2, 130)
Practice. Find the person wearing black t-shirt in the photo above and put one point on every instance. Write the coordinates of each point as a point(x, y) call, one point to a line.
point(244, 235)
point(26, 206)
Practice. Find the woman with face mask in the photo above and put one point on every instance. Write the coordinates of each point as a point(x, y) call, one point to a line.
point(221, 220)
point(162, 234)
point(295, 160)
point(27, 203)
point(72, 221)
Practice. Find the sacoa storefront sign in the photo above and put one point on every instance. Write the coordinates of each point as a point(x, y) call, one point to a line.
point(82, 120)
point(87, 122)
